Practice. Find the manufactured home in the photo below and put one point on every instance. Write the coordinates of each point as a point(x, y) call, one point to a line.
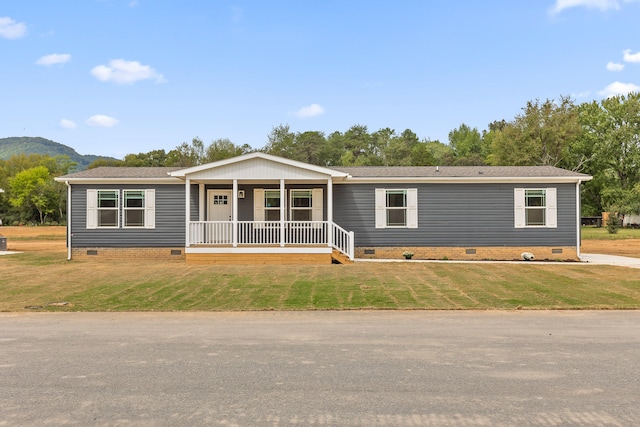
point(258, 208)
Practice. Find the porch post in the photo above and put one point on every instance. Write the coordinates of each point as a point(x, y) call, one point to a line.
point(202, 202)
point(234, 214)
point(187, 214)
point(283, 211)
point(330, 212)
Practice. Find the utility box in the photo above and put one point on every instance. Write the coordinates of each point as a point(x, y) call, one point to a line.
point(3, 243)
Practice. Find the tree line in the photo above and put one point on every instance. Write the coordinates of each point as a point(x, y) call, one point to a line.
point(599, 138)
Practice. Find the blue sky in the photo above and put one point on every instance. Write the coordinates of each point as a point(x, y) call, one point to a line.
point(112, 77)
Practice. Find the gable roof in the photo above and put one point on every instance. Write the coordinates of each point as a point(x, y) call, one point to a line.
point(263, 159)
point(260, 165)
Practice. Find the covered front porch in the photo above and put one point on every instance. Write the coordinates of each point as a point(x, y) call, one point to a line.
point(260, 209)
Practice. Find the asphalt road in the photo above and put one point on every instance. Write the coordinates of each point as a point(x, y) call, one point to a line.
point(380, 368)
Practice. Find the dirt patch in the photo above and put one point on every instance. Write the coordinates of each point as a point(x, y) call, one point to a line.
point(26, 239)
point(624, 247)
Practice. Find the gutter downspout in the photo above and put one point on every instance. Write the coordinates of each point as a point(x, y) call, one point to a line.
point(578, 220)
point(69, 234)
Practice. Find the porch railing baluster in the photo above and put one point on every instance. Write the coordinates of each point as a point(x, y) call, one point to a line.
point(252, 233)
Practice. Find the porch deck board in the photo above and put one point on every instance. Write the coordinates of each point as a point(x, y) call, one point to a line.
point(259, 259)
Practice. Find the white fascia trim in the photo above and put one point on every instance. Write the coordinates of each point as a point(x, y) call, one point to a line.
point(183, 172)
point(259, 250)
point(465, 180)
point(122, 181)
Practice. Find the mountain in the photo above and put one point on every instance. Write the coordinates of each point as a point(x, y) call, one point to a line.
point(36, 145)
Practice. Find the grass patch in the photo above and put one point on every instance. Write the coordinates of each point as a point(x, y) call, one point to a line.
point(601, 233)
point(39, 278)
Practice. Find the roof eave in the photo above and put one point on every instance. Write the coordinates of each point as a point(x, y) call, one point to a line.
point(168, 180)
point(468, 180)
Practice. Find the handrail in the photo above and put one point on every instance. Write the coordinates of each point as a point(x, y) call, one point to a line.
point(268, 233)
point(343, 241)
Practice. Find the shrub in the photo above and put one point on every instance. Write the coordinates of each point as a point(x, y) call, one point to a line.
point(613, 223)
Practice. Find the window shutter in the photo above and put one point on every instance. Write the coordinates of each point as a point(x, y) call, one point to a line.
point(381, 208)
point(552, 208)
point(258, 204)
point(150, 208)
point(92, 209)
point(316, 204)
point(518, 203)
point(412, 208)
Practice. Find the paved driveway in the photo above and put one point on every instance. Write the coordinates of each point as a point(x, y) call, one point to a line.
point(321, 368)
point(620, 261)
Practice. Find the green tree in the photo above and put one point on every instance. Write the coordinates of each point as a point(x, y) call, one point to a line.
point(105, 162)
point(34, 188)
point(223, 148)
point(152, 158)
point(187, 155)
point(610, 149)
point(467, 146)
point(280, 142)
point(542, 135)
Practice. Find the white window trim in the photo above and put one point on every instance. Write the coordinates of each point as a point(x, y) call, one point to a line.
point(317, 203)
point(381, 207)
point(93, 209)
point(125, 209)
point(259, 208)
point(551, 208)
point(149, 209)
point(316, 207)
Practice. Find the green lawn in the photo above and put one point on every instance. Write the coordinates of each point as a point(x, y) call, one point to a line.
point(39, 278)
point(601, 233)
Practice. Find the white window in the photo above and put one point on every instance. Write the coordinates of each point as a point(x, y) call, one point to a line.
point(304, 205)
point(103, 208)
point(535, 207)
point(133, 209)
point(272, 205)
point(396, 207)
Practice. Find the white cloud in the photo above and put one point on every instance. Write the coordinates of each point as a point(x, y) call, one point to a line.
point(101, 120)
point(612, 66)
point(581, 94)
point(631, 57)
point(133, 3)
point(68, 124)
point(126, 72)
point(54, 58)
point(10, 29)
point(310, 111)
point(617, 88)
point(602, 5)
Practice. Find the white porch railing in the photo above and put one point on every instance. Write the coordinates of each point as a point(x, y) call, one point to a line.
point(297, 233)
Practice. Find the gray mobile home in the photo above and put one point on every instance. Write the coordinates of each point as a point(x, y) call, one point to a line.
point(258, 208)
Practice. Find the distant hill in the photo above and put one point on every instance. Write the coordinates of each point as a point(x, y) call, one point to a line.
point(36, 145)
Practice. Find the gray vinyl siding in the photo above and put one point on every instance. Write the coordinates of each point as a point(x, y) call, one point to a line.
point(455, 215)
point(169, 212)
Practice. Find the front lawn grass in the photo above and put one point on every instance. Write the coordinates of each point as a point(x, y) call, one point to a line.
point(39, 278)
point(601, 233)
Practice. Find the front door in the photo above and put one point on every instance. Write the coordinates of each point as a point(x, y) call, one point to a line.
point(219, 205)
point(220, 210)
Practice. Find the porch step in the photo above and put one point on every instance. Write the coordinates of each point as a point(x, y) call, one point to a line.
point(340, 258)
